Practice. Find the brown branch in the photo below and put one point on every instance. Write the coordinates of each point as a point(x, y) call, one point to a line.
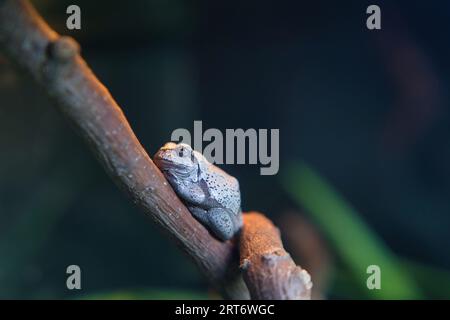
point(55, 63)
point(269, 271)
point(306, 244)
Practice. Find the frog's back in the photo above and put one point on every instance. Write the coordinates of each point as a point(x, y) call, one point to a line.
point(224, 188)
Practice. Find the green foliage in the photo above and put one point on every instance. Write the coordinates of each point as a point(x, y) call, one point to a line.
point(146, 294)
point(433, 281)
point(354, 242)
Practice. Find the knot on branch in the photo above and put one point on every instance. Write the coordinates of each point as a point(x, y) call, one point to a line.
point(63, 49)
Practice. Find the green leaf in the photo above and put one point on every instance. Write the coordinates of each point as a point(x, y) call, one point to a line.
point(146, 294)
point(433, 280)
point(354, 242)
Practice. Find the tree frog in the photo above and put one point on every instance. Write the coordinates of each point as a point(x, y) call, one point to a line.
point(211, 195)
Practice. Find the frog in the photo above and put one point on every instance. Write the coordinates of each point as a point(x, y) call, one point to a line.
point(211, 195)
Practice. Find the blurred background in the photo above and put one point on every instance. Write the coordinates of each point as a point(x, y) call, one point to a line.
point(364, 144)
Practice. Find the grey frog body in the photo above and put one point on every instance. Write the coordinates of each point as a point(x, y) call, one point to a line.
point(211, 195)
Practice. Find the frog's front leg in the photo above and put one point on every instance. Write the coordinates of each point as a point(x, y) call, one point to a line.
point(192, 193)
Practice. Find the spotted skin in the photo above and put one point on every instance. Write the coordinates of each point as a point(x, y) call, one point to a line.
point(211, 195)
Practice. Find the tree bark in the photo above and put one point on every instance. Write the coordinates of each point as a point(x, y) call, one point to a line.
point(269, 271)
point(55, 63)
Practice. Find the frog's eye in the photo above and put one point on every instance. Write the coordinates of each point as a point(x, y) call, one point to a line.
point(192, 157)
point(181, 152)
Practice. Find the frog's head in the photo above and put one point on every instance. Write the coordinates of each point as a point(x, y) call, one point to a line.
point(177, 161)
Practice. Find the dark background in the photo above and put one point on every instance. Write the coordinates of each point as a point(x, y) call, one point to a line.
point(366, 111)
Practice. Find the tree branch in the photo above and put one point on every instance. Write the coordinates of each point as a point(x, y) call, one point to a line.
point(269, 271)
point(55, 63)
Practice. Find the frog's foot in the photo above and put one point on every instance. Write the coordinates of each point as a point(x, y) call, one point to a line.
point(220, 223)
